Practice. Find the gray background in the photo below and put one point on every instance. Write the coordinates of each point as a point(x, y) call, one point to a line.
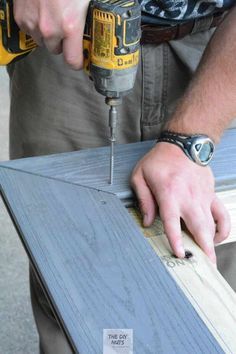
point(17, 329)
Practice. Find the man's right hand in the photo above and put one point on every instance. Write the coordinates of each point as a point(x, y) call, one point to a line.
point(57, 24)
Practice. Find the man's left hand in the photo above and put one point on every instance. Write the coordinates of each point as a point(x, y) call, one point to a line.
point(168, 181)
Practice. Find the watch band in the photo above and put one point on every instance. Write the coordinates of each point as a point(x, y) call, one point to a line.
point(176, 139)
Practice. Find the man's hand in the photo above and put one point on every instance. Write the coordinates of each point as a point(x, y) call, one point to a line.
point(57, 24)
point(166, 179)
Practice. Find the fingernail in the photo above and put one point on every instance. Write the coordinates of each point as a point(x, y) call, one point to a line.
point(180, 250)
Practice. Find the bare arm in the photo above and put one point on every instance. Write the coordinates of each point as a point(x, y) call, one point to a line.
point(166, 178)
point(210, 101)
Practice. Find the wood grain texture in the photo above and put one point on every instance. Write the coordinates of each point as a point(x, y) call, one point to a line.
point(203, 285)
point(88, 167)
point(98, 269)
point(229, 200)
point(91, 167)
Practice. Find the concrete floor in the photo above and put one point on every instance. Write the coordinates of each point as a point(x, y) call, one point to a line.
point(17, 329)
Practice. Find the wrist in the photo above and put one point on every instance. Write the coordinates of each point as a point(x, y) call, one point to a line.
point(188, 128)
point(191, 119)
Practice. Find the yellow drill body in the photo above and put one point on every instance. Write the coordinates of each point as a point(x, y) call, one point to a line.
point(111, 45)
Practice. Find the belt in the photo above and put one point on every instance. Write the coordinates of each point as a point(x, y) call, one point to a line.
point(157, 34)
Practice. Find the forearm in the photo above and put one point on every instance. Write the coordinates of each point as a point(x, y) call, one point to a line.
point(209, 103)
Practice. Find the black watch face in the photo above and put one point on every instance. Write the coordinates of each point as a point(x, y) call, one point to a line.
point(202, 150)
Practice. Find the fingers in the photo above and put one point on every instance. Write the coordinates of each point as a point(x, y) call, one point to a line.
point(26, 15)
point(145, 198)
point(170, 217)
point(73, 29)
point(222, 220)
point(198, 219)
point(73, 51)
point(200, 223)
point(59, 25)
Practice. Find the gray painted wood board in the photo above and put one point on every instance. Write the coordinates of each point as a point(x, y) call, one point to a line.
point(90, 167)
point(98, 269)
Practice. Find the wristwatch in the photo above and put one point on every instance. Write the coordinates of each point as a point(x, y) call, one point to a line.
point(199, 148)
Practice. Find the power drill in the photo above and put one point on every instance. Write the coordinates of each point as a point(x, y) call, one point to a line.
point(111, 53)
point(111, 50)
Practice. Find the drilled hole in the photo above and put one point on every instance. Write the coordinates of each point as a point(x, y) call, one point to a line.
point(188, 254)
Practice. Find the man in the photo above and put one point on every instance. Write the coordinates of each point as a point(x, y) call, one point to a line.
point(55, 109)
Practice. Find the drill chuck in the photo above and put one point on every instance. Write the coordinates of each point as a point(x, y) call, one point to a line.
point(115, 84)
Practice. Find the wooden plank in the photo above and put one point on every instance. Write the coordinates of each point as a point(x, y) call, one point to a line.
point(98, 269)
point(91, 167)
point(203, 285)
point(229, 200)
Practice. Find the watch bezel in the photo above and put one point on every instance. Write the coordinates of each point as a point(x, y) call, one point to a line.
point(195, 153)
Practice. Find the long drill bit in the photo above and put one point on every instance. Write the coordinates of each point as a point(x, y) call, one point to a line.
point(112, 124)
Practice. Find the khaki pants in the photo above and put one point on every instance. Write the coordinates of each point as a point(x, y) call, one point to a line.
point(55, 109)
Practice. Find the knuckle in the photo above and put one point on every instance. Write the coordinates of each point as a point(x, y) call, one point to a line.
point(69, 27)
point(142, 203)
point(47, 31)
point(27, 22)
point(168, 218)
point(135, 179)
point(172, 186)
point(26, 26)
point(195, 215)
